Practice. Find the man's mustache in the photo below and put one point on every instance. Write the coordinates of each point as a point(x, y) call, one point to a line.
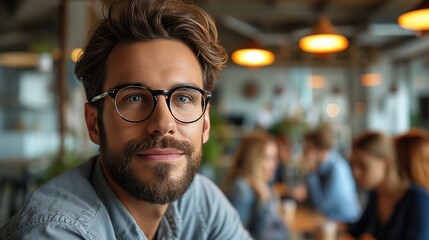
point(158, 142)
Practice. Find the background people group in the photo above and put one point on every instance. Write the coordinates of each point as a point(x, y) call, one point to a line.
point(378, 191)
point(398, 203)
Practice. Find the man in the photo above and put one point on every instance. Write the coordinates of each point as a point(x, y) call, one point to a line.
point(147, 71)
point(330, 182)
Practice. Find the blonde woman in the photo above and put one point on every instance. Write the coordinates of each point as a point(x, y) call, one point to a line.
point(396, 210)
point(247, 186)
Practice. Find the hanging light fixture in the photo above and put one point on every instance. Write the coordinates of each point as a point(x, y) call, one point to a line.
point(324, 39)
point(416, 19)
point(253, 56)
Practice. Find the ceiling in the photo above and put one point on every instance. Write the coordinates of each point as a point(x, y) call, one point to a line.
point(370, 25)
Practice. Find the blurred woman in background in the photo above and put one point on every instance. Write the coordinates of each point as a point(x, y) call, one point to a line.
point(247, 186)
point(395, 209)
point(412, 150)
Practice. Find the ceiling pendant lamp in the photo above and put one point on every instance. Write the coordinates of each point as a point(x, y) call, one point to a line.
point(417, 19)
point(324, 39)
point(253, 56)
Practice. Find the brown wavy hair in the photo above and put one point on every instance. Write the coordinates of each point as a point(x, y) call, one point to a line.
point(145, 20)
point(412, 150)
point(323, 137)
point(376, 144)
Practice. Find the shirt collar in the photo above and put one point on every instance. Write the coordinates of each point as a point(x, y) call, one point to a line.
point(325, 166)
point(123, 223)
point(171, 223)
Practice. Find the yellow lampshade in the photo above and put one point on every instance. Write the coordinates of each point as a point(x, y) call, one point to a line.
point(417, 20)
point(253, 57)
point(325, 39)
point(323, 43)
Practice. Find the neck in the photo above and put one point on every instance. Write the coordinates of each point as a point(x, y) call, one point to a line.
point(323, 156)
point(147, 215)
point(392, 185)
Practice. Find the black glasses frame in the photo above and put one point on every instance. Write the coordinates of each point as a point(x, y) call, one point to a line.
point(167, 93)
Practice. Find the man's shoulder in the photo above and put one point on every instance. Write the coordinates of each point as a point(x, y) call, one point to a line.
point(205, 208)
point(203, 187)
point(68, 199)
point(203, 196)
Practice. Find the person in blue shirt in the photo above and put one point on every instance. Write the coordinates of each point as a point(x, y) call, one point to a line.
point(246, 185)
point(396, 209)
point(331, 186)
point(147, 70)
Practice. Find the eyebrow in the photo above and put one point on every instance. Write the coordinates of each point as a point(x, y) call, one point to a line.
point(134, 84)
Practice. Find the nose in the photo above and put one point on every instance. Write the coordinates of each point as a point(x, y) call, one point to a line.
point(161, 122)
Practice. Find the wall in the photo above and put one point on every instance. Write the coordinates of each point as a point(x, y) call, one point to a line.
point(383, 109)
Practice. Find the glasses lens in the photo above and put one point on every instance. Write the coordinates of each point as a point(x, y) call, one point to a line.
point(134, 103)
point(187, 104)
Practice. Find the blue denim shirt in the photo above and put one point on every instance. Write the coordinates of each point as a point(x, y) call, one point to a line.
point(260, 218)
point(333, 191)
point(80, 204)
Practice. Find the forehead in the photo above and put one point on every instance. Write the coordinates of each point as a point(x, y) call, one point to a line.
point(271, 146)
point(363, 157)
point(157, 64)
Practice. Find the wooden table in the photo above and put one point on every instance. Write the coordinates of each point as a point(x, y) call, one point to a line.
point(305, 221)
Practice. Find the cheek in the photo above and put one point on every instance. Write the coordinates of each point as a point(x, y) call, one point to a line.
point(192, 132)
point(269, 167)
point(371, 178)
point(119, 132)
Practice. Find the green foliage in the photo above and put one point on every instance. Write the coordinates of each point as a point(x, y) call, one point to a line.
point(69, 160)
point(214, 147)
point(290, 128)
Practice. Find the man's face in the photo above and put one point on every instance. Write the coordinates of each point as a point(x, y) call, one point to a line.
point(154, 160)
point(311, 153)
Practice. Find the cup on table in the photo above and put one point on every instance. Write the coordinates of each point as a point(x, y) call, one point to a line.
point(289, 210)
point(327, 231)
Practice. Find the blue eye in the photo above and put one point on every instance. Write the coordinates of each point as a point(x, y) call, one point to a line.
point(134, 98)
point(183, 99)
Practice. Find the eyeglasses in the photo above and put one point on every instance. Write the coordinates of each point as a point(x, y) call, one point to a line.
point(187, 104)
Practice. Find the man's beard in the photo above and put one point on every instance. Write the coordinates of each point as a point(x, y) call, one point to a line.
point(161, 188)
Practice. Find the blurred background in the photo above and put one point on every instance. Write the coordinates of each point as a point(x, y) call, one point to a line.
point(378, 80)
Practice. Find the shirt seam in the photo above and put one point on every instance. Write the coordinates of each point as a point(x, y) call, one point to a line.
point(54, 219)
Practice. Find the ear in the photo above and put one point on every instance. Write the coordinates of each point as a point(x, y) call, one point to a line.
point(91, 118)
point(206, 124)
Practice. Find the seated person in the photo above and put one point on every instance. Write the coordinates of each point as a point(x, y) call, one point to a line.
point(395, 210)
point(247, 186)
point(331, 187)
point(412, 151)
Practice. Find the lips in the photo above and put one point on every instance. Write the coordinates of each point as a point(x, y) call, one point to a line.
point(160, 154)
